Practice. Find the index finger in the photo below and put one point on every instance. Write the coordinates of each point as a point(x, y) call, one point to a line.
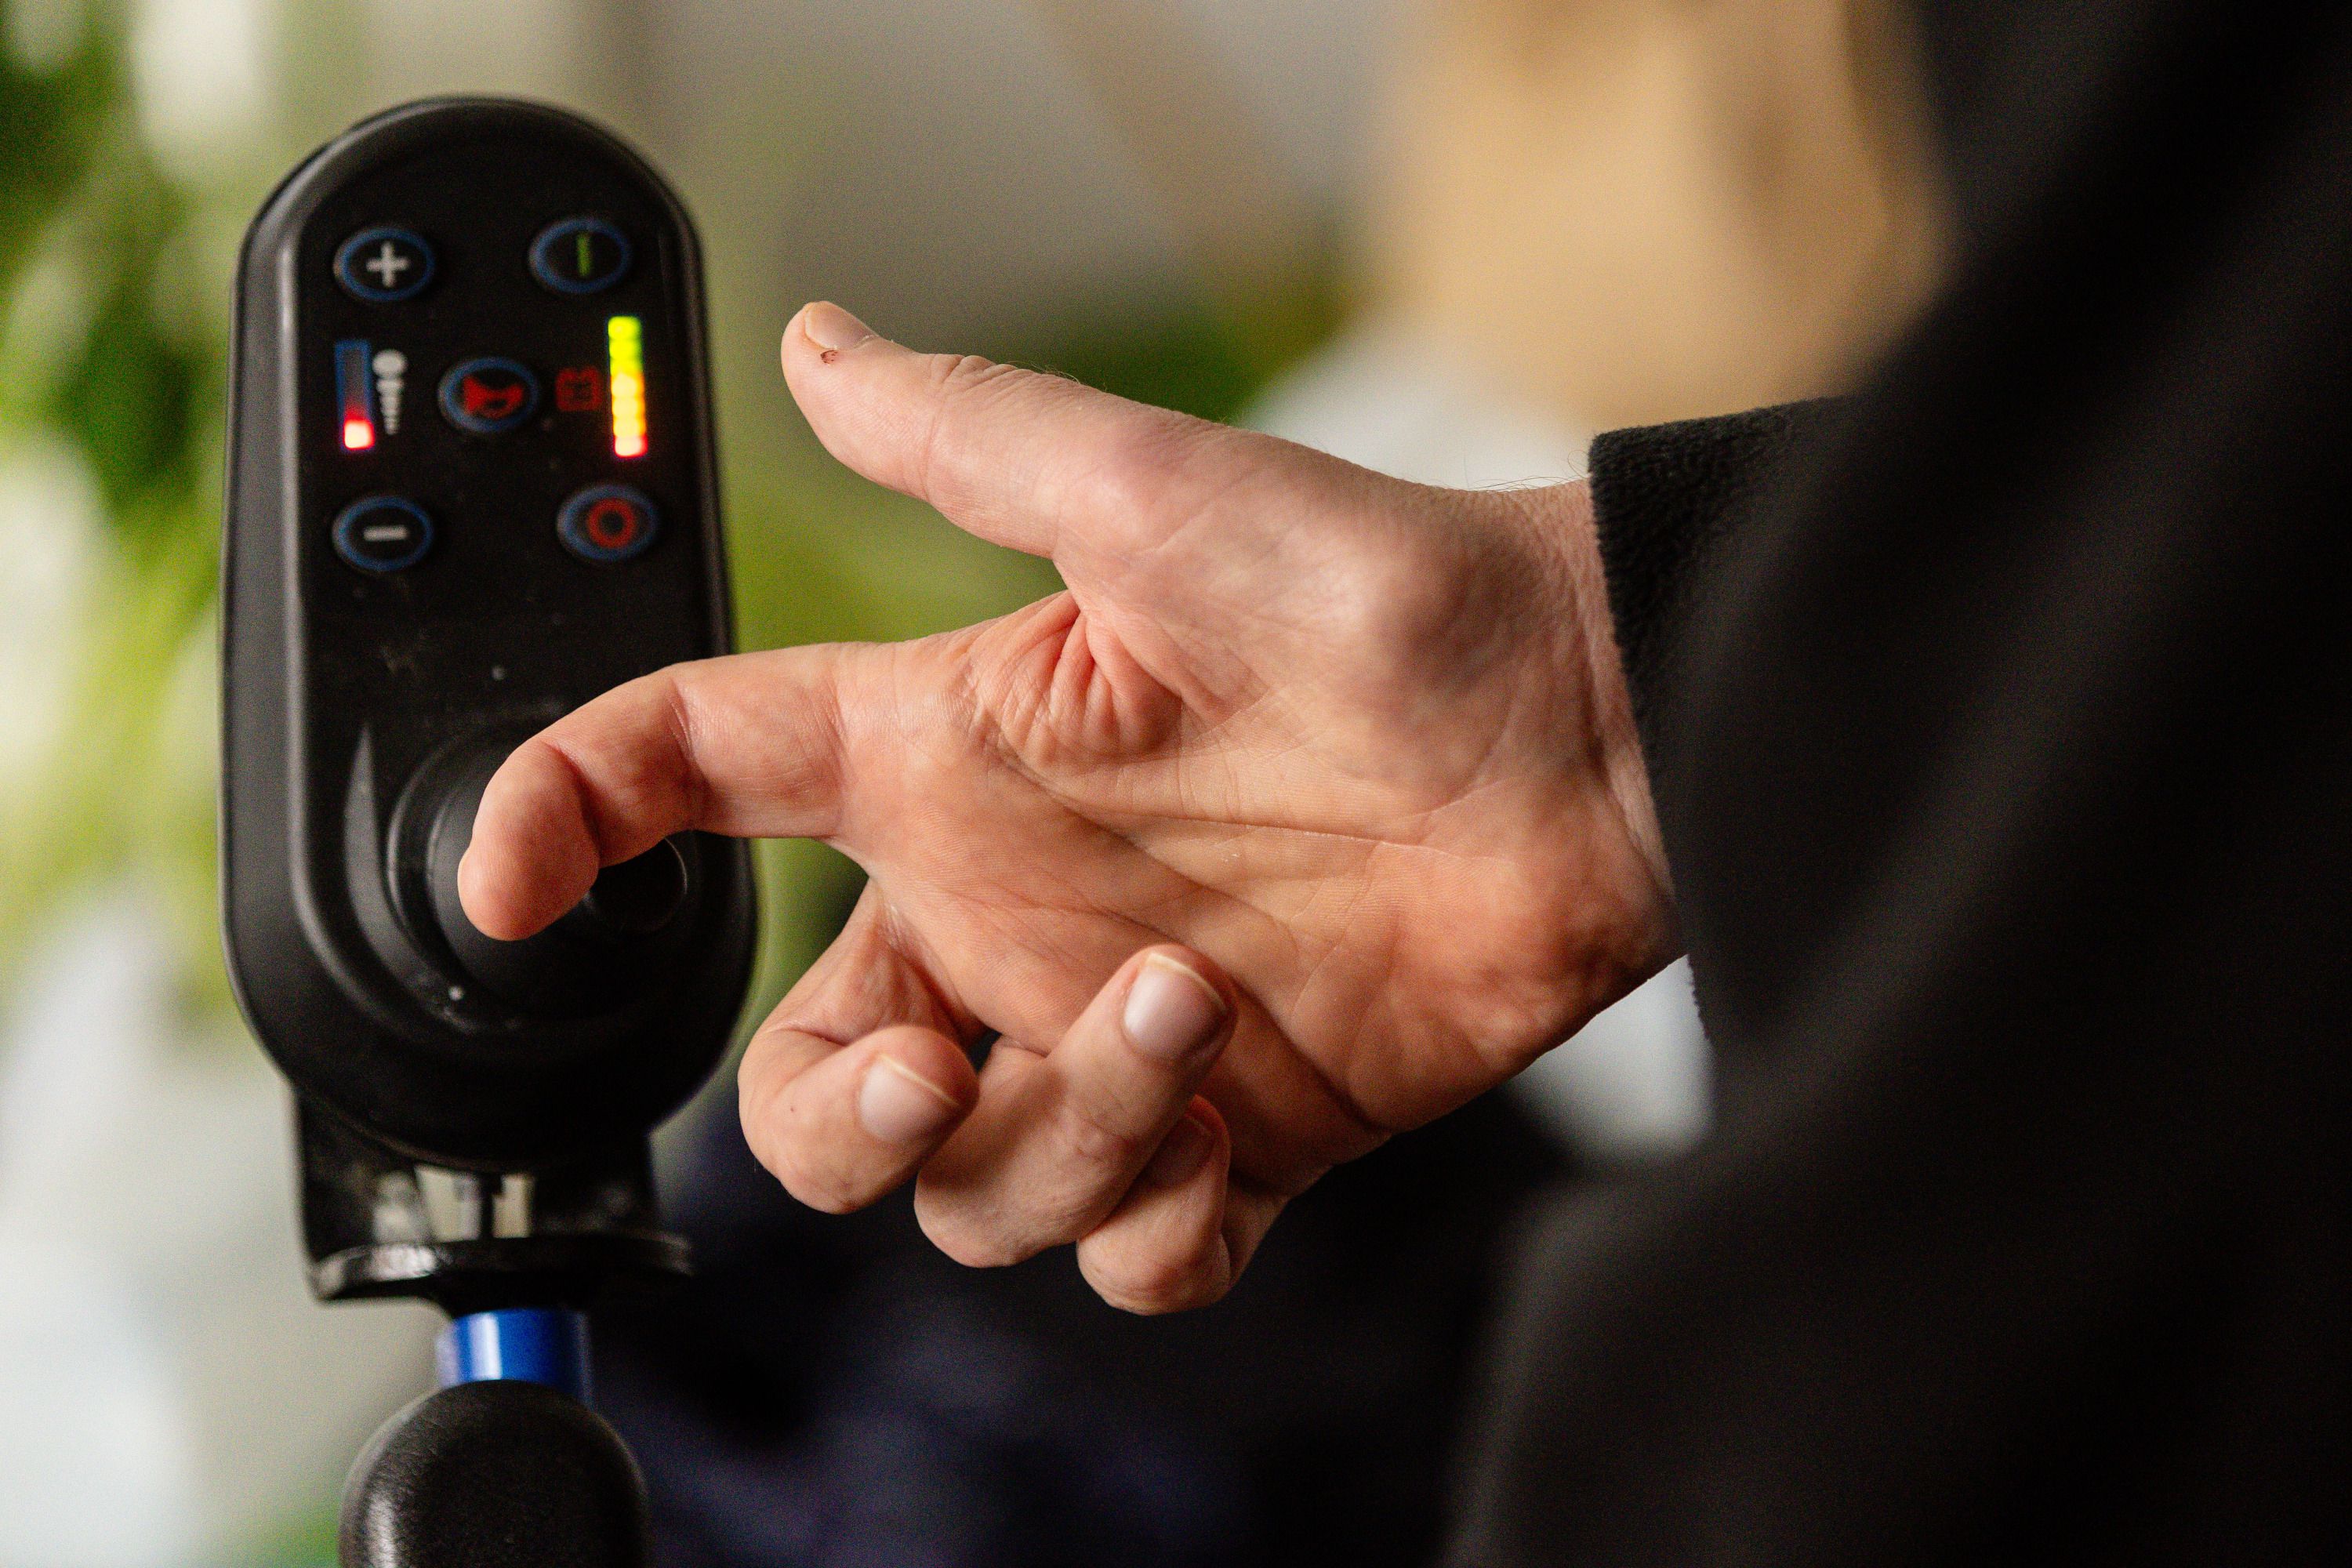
point(748, 745)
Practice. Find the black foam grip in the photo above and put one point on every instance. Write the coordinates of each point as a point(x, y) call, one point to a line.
point(495, 1475)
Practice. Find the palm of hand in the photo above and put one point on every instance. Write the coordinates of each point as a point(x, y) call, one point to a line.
point(1390, 825)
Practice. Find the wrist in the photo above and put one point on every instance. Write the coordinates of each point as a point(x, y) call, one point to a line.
point(1568, 523)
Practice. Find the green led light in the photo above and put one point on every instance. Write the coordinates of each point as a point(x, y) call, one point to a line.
point(624, 347)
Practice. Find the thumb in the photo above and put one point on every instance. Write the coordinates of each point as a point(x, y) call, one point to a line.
point(1033, 461)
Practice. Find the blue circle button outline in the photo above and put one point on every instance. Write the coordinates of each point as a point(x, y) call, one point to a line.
point(543, 268)
point(456, 411)
point(571, 524)
point(358, 287)
point(347, 525)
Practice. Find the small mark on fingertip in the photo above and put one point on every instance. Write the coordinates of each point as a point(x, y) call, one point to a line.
point(830, 329)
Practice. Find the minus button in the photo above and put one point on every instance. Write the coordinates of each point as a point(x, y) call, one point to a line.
point(382, 533)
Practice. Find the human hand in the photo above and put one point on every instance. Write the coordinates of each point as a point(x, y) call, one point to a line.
point(1311, 809)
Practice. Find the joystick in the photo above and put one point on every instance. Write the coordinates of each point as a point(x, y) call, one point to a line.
point(471, 486)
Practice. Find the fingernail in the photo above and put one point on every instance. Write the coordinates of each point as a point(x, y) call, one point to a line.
point(833, 329)
point(1180, 1154)
point(1171, 1012)
point(897, 1105)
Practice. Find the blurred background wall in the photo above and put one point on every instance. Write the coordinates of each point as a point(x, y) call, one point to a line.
point(1445, 237)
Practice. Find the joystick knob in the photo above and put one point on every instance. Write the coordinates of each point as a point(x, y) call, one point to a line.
point(607, 949)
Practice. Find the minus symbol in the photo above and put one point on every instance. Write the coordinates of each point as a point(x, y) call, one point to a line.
point(384, 531)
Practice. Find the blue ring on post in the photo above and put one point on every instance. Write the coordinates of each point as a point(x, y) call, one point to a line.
point(543, 258)
point(546, 1345)
point(349, 273)
point(353, 518)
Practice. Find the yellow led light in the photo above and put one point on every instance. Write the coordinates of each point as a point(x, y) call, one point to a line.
point(625, 347)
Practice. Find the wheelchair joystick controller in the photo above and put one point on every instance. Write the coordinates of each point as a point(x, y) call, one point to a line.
point(471, 486)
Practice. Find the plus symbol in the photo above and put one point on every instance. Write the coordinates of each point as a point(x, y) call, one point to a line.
point(388, 265)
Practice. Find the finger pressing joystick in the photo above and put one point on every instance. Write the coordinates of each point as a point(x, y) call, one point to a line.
point(615, 947)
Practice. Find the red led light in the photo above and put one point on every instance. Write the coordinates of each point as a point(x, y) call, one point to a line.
point(352, 392)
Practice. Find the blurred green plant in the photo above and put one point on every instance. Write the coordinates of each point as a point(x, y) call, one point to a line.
point(105, 372)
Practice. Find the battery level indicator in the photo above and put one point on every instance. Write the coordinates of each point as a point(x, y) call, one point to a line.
point(354, 394)
point(624, 342)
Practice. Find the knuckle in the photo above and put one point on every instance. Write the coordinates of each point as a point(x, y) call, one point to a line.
point(1092, 1141)
point(780, 1145)
point(1146, 1283)
point(818, 1184)
point(959, 375)
point(1402, 601)
point(957, 383)
point(968, 1239)
point(1140, 468)
point(964, 387)
point(755, 1109)
point(822, 1197)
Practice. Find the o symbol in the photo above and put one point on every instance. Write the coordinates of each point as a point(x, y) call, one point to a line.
point(607, 523)
point(612, 523)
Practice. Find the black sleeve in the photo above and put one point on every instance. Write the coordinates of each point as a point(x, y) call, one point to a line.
point(2000, 735)
point(1664, 498)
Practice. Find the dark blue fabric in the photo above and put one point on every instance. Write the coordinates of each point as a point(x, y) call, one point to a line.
point(832, 1392)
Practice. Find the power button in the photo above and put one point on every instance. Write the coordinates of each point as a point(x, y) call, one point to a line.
point(580, 256)
point(607, 523)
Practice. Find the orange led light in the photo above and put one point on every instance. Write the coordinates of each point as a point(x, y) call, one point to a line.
point(358, 434)
point(626, 379)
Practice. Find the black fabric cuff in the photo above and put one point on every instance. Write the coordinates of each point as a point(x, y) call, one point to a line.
point(1666, 497)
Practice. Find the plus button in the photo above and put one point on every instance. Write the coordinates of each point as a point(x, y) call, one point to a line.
point(383, 265)
point(388, 265)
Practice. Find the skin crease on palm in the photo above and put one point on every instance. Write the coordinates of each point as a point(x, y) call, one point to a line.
point(1354, 755)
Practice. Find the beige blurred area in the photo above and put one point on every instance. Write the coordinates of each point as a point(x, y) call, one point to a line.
point(1635, 210)
point(1619, 210)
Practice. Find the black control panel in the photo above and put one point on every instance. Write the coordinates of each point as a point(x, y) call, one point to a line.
point(471, 487)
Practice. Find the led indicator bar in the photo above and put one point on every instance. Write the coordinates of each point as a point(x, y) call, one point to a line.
point(624, 342)
point(354, 394)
